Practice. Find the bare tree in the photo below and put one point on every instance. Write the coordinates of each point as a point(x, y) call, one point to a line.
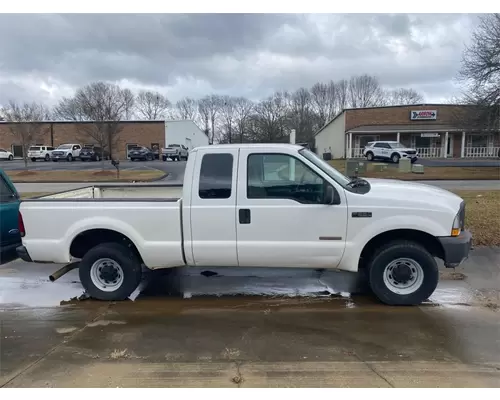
point(102, 106)
point(129, 104)
point(269, 122)
point(480, 74)
point(323, 98)
point(402, 96)
point(243, 111)
point(152, 105)
point(364, 91)
point(228, 117)
point(28, 123)
point(187, 108)
point(211, 106)
point(341, 95)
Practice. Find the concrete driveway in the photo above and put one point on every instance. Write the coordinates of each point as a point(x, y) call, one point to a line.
point(247, 328)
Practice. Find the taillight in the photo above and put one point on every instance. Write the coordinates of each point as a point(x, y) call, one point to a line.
point(22, 231)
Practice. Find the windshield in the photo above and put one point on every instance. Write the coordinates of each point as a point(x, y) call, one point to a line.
point(397, 145)
point(325, 167)
point(65, 146)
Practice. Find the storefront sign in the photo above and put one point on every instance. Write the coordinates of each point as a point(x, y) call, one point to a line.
point(429, 135)
point(423, 114)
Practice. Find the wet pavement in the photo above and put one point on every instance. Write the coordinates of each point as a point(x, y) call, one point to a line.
point(248, 328)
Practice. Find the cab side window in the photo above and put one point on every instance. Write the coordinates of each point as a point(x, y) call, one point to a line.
point(216, 176)
point(281, 176)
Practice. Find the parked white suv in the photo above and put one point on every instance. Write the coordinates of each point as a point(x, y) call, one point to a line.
point(40, 153)
point(393, 151)
point(66, 152)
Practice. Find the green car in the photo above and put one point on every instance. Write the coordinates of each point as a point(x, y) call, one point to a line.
point(10, 237)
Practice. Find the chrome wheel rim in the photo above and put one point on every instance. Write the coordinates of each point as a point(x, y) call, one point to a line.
point(403, 276)
point(106, 274)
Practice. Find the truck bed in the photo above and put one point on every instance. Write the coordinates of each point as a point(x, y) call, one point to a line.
point(148, 215)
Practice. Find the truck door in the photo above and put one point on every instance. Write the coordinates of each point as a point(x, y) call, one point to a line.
point(9, 207)
point(212, 210)
point(282, 218)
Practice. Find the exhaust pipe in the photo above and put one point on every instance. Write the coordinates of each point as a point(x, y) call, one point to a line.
point(63, 271)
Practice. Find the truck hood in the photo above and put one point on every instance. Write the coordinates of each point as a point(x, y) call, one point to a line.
point(396, 191)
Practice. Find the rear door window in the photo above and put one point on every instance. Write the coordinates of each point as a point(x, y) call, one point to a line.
point(216, 176)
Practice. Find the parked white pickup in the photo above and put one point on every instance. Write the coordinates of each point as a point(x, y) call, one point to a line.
point(264, 205)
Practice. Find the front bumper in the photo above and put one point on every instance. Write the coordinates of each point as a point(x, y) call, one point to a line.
point(22, 252)
point(59, 156)
point(456, 249)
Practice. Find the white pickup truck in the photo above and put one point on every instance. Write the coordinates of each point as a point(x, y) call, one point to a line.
point(262, 205)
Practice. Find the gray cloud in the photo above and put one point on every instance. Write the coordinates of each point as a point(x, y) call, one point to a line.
point(47, 56)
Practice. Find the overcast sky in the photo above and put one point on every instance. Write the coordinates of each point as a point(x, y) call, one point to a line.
point(44, 57)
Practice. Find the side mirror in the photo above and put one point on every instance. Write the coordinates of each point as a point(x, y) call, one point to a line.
point(331, 196)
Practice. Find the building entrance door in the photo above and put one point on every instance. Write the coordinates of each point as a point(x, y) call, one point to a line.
point(449, 146)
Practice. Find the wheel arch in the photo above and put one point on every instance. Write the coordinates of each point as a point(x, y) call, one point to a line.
point(86, 240)
point(429, 242)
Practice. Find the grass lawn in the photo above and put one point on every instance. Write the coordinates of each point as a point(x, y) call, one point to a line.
point(482, 215)
point(430, 173)
point(96, 175)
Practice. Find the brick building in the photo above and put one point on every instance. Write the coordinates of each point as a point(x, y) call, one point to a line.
point(144, 133)
point(433, 129)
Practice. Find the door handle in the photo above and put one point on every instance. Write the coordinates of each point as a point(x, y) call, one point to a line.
point(244, 215)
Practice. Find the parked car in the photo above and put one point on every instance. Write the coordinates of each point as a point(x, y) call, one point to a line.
point(93, 153)
point(10, 237)
point(141, 153)
point(176, 152)
point(40, 153)
point(386, 150)
point(68, 152)
point(6, 155)
point(241, 206)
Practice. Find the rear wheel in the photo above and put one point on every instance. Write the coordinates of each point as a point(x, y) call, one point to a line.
point(110, 271)
point(97, 158)
point(403, 273)
point(47, 157)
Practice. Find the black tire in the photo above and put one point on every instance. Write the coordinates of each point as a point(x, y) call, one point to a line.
point(413, 160)
point(69, 158)
point(129, 263)
point(47, 157)
point(369, 156)
point(395, 158)
point(11, 157)
point(54, 160)
point(132, 159)
point(33, 159)
point(164, 158)
point(149, 158)
point(97, 158)
point(408, 250)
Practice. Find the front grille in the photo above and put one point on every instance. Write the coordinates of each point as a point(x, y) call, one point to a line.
point(411, 152)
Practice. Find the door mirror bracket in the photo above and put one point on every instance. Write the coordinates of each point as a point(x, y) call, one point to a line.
point(331, 196)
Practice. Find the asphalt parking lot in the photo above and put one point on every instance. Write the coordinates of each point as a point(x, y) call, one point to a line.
point(246, 328)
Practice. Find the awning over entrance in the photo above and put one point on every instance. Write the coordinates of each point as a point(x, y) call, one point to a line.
point(407, 128)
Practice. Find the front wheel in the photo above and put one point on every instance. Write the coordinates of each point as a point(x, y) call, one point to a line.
point(97, 158)
point(403, 273)
point(110, 272)
point(33, 159)
point(70, 158)
point(11, 157)
point(395, 158)
point(47, 157)
point(369, 156)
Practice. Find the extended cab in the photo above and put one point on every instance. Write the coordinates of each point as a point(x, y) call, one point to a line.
point(262, 205)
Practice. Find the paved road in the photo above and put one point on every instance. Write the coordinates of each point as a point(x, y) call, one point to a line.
point(243, 328)
point(457, 162)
